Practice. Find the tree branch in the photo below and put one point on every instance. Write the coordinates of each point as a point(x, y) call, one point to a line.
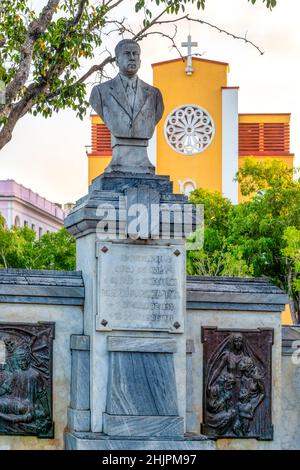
point(152, 23)
point(164, 35)
point(142, 34)
point(114, 5)
point(17, 112)
point(13, 112)
point(35, 29)
point(74, 21)
point(213, 26)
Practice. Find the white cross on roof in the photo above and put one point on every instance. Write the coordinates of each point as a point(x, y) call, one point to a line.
point(189, 44)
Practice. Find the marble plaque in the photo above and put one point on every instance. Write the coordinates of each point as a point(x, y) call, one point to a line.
point(140, 287)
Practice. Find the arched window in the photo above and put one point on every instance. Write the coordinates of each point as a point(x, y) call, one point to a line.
point(17, 221)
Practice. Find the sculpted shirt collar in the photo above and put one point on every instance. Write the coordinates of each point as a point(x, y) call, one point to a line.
point(128, 81)
point(129, 99)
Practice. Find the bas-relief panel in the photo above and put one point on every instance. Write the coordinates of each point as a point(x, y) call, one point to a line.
point(237, 383)
point(26, 379)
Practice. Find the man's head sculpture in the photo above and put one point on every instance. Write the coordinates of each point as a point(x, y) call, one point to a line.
point(130, 108)
point(128, 57)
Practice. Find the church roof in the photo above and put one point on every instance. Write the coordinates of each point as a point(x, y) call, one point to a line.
point(197, 59)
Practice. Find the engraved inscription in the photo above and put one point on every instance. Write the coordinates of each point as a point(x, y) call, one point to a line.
point(140, 290)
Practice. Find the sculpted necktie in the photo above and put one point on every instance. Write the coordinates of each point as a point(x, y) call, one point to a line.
point(131, 94)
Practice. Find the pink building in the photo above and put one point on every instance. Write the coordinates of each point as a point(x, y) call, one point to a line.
point(22, 207)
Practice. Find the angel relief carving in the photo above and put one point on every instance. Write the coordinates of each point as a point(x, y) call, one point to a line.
point(26, 379)
point(237, 383)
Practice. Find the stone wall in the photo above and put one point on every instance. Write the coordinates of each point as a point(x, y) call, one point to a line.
point(45, 296)
point(290, 402)
point(31, 297)
point(232, 304)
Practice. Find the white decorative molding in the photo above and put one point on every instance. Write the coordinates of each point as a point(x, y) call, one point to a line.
point(187, 186)
point(189, 129)
point(230, 143)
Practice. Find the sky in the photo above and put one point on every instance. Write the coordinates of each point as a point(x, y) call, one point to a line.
point(49, 156)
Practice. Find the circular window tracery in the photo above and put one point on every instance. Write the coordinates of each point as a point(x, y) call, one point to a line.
point(189, 129)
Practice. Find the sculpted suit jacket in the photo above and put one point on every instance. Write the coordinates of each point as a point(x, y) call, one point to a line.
point(110, 102)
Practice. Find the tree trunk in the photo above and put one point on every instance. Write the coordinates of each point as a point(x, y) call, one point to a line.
point(5, 137)
point(17, 112)
point(4, 259)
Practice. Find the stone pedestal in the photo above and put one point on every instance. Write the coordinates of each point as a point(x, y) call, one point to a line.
point(131, 251)
point(79, 414)
point(131, 155)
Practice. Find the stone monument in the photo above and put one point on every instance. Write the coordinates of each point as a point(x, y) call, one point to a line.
point(131, 109)
point(129, 368)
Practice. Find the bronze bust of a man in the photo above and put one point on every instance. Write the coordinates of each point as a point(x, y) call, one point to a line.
point(131, 109)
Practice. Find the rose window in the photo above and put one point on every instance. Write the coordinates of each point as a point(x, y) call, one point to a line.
point(189, 129)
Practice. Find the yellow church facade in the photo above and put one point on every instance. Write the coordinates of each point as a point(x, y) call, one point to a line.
point(202, 140)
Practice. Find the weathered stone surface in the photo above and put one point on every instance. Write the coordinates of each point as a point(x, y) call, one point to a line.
point(79, 420)
point(213, 293)
point(80, 342)
point(107, 201)
point(110, 205)
point(131, 109)
point(143, 426)
point(41, 287)
point(190, 346)
point(109, 100)
point(120, 182)
point(142, 384)
point(140, 287)
point(290, 403)
point(99, 355)
point(68, 320)
point(290, 340)
point(190, 416)
point(80, 380)
point(142, 199)
point(98, 441)
point(26, 379)
point(132, 344)
point(241, 319)
point(237, 383)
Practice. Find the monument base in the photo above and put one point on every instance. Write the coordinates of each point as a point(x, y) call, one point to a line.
point(99, 441)
point(119, 181)
point(130, 156)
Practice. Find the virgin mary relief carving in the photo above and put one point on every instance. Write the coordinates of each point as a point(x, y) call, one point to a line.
point(237, 383)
